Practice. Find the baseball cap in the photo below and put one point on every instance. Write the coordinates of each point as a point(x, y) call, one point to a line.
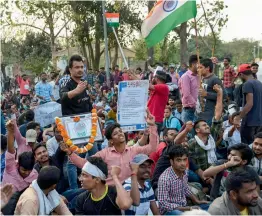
point(141, 158)
point(243, 68)
point(30, 136)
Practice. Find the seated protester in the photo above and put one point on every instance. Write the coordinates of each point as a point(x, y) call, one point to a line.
point(202, 148)
point(118, 152)
point(139, 187)
point(173, 186)
point(42, 159)
point(53, 143)
point(256, 161)
point(169, 120)
point(178, 111)
point(241, 196)
point(112, 113)
point(171, 103)
point(169, 135)
point(41, 198)
point(29, 116)
point(19, 174)
point(232, 134)
point(232, 109)
point(3, 151)
point(100, 198)
point(239, 155)
point(26, 144)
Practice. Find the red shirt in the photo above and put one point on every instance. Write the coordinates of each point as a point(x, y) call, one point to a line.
point(229, 75)
point(23, 85)
point(156, 155)
point(158, 101)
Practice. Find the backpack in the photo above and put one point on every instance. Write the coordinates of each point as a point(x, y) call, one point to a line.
point(9, 209)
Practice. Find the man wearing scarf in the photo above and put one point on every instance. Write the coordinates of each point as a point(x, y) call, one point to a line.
point(41, 198)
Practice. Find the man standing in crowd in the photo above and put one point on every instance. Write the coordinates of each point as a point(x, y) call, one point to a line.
point(55, 87)
point(207, 92)
point(252, 107)
point(43, 90)
point(101, 77)
point(158, 98)
point(254, 69)
point(241, 196)
point(188, 86)
point(229, 78)
point(73, 94)
point(24, 85)
point(174, 76)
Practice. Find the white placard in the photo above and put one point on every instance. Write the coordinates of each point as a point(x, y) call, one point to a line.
point(132, 104)
point(45, 113)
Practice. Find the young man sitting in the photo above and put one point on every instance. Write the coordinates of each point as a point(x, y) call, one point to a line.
point(173, 186)
point(140, 188)
point(41, 198)
point(100, 198)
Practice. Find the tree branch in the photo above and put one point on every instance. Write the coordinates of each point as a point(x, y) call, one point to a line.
point(61, 28)
point(29, 25)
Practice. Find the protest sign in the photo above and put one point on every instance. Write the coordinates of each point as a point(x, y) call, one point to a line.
point(45, 113)
point(80, 132)
point(132, 104)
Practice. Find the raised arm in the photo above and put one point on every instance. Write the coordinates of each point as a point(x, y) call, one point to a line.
point(18, 136)
point(123, 200)
point(219, 103)
point(10, 137)
point(182, 135)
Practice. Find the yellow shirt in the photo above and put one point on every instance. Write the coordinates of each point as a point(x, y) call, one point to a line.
point(111, 115)
point(244, 212)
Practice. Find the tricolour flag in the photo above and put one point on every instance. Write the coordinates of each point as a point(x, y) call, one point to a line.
point(112, 19)
point(164, 17)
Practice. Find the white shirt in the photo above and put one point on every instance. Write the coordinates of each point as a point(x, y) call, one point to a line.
point(234, 139)
point(55, 89)
point(52, 145)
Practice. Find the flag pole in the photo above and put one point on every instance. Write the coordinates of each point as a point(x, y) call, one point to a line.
point(106, 45)
point(120, 48)
point(198, 61)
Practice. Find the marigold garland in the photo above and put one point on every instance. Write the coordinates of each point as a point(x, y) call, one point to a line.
point(67, 139)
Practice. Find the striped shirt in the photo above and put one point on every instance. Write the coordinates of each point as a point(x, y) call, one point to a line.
point(146, 196)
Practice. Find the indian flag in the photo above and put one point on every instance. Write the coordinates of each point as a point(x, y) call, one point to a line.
point(112, 19)
point(164, 17)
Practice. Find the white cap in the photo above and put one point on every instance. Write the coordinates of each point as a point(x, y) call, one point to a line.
point(31, 136)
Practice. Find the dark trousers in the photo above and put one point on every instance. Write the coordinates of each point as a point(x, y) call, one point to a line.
point(248, 133)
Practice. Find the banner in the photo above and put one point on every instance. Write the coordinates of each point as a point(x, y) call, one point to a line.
point(132, 104)
point(45, 113)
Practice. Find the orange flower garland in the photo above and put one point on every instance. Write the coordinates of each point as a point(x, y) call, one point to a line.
point(69, 142)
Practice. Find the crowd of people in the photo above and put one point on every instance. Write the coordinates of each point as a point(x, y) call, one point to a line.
point(201, 153)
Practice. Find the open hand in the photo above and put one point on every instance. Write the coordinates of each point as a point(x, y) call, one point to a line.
point(6, 194)
point(10, 126)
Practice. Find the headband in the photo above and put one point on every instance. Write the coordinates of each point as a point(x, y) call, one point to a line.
point(93, 170)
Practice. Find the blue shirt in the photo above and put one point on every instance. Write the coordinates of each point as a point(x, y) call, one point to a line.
point(146, 196)
point(172, 122)
point(44, 90)
point(2, 165)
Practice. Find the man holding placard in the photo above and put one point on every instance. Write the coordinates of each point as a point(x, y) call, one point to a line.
point(73, 93)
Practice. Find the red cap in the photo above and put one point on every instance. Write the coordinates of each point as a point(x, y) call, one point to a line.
point(243, 67)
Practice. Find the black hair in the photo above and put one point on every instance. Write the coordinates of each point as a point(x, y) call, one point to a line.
point(207, 63)
point(258, 135)
point(42, 73)
point(24, 75)
point(102, 68)
point(235, 114)
point(254, 64)
point(240, 176)
point(193, 59)
point(73, 58)
point(109, 130)
point(247, 72)
point(67, 72)
point(177, 151)
point(26, 160)
point(37, 146)
point(245, 151)
point(112, 104)
point(165, 131)
point(139, 69)
point(32, 125)
point(168, 79)
point(98, 161)
point(3, 142)
point(178, 101)
point(29, 115)
point(196, 124)
point(228, 59)
point(48, 176)
point(172, 97)
point(169, 108)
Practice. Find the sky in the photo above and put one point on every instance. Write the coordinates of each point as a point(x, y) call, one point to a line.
point(245, 18)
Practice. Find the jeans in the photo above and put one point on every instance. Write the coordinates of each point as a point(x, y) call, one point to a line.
point(230, 92)
point(193, 177)
point(188, 114)
point(177, 212)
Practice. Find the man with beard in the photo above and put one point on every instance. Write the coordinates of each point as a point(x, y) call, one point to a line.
point(140, 188)
point(43, 90)
point(256, 161)
point(229, 78)
point(173, 186)
point(254, 69)
point(252, 106)
point(241, 195)
point(73, 93)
